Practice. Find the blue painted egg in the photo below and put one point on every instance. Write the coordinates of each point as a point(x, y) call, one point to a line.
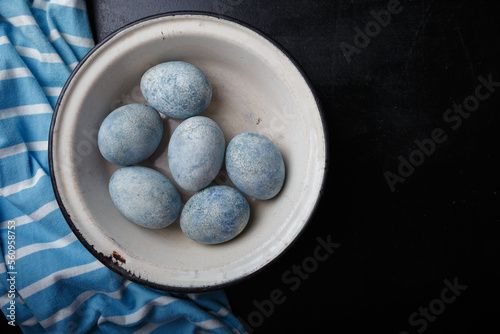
point(215, 215)
point(130, 134)
point(255, 165)
point(145, 196)
point(176, 89)
point(196, 153)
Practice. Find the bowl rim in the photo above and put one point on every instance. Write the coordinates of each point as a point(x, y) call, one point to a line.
point(108, 261)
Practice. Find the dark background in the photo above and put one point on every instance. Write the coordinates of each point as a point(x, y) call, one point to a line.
point(397, 248)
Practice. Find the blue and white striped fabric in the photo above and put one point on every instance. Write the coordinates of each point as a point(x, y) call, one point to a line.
point(58, 286)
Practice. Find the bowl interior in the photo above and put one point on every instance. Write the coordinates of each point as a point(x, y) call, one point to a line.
point(255, 88)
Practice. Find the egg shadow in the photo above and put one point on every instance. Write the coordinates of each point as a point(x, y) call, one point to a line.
point(156, 160)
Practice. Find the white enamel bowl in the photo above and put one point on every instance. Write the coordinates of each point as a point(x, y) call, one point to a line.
point(256, 87)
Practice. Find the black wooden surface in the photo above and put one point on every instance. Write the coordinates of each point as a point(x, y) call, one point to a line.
point(420, 256)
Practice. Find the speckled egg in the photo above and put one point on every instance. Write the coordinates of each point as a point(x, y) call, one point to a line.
point(255, 165)
point(176, 89)
point(145, 196)
point(215, 215)
point(130, 134)
point(196, 153)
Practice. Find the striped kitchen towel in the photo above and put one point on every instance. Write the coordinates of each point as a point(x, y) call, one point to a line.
point(49, 282)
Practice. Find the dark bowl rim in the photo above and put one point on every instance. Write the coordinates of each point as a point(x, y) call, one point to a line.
point(111, 262)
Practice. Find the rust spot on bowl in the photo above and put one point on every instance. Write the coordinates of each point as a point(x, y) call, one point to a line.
point(118, 257)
